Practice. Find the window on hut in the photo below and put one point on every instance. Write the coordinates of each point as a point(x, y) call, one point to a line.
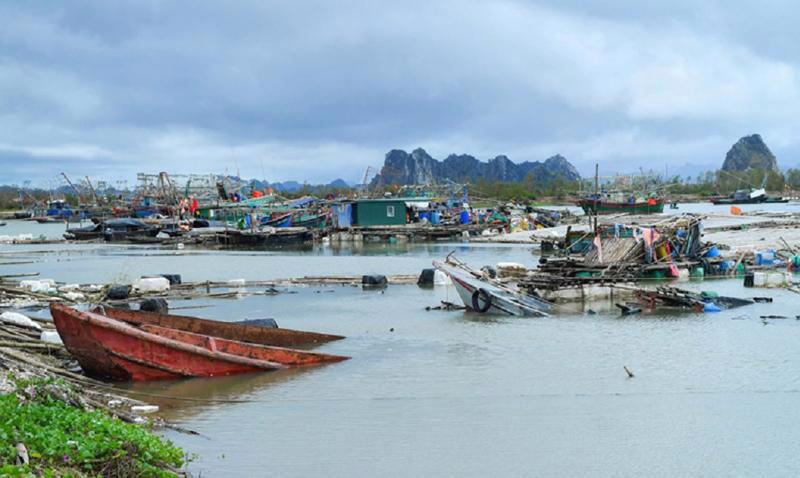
point(389, 211)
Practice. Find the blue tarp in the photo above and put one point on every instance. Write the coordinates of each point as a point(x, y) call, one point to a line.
point(342, 215)
point(304, 201)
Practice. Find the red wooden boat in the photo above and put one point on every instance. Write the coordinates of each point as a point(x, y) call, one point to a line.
point(225, 330)
point(126, 345)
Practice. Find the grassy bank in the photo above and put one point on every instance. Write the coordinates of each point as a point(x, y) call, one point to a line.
point(63, 439)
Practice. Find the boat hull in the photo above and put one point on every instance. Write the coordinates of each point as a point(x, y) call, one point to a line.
point(114, 350)
point(264, 239)
point(483, 298)
point(226, 330)
point(122, 236)
point(758, 200)
point(590, 206)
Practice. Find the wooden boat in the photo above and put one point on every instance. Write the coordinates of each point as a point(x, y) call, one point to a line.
point(278, 220)
point(484, 296)
point(745, 196)
point(277, 237)
point(675, 297)
point(227, 330)
point(113, 230)
point(616, 203)
point(86, 233)
point(311, 221)
point(125, 345)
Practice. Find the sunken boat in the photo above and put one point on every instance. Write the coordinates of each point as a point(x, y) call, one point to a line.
point(485, 295)
point(126, 345)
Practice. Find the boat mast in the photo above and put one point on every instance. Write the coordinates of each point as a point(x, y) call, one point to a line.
point(596, 194)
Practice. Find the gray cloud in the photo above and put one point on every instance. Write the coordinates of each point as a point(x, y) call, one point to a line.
point(318, 90)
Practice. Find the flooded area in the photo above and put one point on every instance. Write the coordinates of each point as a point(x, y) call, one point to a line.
point(425, 392)
point(430, 392)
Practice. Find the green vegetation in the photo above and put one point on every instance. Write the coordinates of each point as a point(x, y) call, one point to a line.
point(706, 184)
point(526, 190)
point(793, 179)
point(722, 182)
point(63, 440)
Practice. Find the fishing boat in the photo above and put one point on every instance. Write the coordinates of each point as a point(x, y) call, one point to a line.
point(112, 230)
point(125, 345)
point(311, 221)
point(483, 295)
point(268, 238)
point(747, 196)
point(278, 220)
point(620, 202)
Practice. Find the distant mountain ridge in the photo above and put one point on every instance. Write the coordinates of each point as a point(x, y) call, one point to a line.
point(419, 167)
point(294, 186)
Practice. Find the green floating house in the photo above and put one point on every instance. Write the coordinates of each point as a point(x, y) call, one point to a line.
point(375, 212)
point(379, 212)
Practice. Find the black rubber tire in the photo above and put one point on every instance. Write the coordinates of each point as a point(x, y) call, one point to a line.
point(374, 280)
point(426, 277)
point(118, 292)
point(157, 305)
point(487, 301)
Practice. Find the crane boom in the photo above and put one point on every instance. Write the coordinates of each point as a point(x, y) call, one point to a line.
point(77, 193)
point(94, 193)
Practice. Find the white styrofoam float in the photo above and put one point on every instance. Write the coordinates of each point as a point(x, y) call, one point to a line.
point(150, 285)
point(19, 319)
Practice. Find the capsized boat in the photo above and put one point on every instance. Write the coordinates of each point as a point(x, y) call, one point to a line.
point(126, 345)
point(699, 302)
point(483, 295)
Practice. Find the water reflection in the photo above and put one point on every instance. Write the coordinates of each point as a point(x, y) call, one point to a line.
point(181, 400)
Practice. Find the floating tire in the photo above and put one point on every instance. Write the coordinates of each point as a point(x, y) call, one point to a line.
point(118, 292)
point(426, 278)
point(157, 305)
point(479, 295)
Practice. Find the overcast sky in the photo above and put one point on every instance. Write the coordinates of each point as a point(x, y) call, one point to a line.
point(318, 90)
